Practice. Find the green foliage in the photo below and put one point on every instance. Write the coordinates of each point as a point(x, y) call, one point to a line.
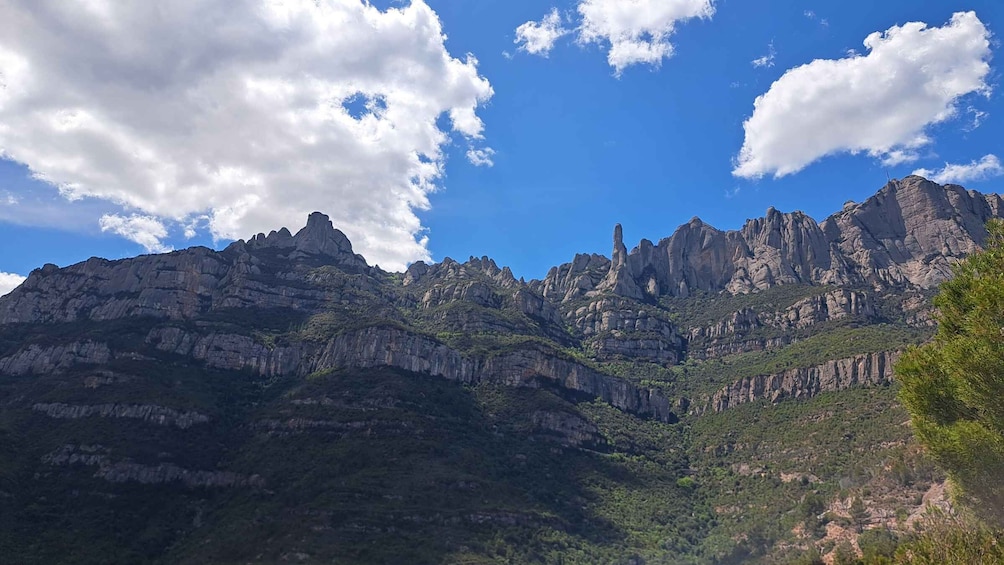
point(398, 464)
point(953, 386)
point(877, 546)
point(952, 540)
point(703, 309)
point(821, 343)
point(832, 446)
point(844, 554)
point(859, 514)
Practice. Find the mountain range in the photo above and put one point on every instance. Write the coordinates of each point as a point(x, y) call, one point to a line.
point(716, 397)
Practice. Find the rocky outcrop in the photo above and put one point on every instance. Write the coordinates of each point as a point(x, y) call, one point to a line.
point(36, 359)
point(912, 231)
point(526, 367)
point(127, 471)
point(618, 328)
point(567, 428)
point(369, 428)
point(318, 238)
point(834, 305)
point(738, 332)
point(154, 414)
point(614, 314)
point(620, 279)
point(635, 347)
point(261, 273)
point(732, 345)
point(573, 280)
point(531, 366)
point(862, 370)
point(908, 234)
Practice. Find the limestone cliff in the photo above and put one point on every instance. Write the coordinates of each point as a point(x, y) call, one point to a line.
point(862, 370)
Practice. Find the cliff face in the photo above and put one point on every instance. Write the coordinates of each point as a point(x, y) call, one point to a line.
point(863, 370)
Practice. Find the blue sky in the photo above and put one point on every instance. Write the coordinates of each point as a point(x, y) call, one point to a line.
point(576, 144)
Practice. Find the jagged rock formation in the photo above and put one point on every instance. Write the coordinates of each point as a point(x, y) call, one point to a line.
point(873, 369)
point(573, 280)
point(907, 234)
point(187, 283)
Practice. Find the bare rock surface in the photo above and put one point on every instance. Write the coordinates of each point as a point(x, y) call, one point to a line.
point(862, 370)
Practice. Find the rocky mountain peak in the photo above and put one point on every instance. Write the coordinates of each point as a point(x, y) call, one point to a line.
point(318, 238)
point(620, 250)
point(909, 233)
point(620, 278)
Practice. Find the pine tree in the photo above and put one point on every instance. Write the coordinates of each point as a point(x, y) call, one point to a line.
point(953, 387)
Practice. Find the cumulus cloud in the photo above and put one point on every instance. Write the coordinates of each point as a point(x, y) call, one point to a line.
point(637, 31)
point(987, 167)
point(538, 37)
point(147, 231)
point(259, 113)
point(880, 103)
point(8, 282)
point(481, 157)
point(633, 31)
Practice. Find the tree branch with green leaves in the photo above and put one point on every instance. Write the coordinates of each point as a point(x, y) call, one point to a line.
point(953, 386)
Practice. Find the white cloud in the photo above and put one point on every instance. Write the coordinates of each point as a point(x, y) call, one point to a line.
point(633, 31)
point(978, 117)
point(481, 157)
point(899, 157)
point(879, 103)
point(538, 37)
point(147, 231)
point(259, 113)
point(767, 61)
point(638, 31)
point(8, 282)
point(987, 167)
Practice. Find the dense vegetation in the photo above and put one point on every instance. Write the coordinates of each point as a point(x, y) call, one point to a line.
point(952, 388)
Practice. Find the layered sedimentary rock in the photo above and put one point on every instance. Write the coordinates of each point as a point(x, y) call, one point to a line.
point(159, 415)
point(872, 369)
point(130, 472)
point(391, 347)
point(52, 359)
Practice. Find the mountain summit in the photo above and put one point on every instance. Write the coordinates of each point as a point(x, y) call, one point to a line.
point(908, 234)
